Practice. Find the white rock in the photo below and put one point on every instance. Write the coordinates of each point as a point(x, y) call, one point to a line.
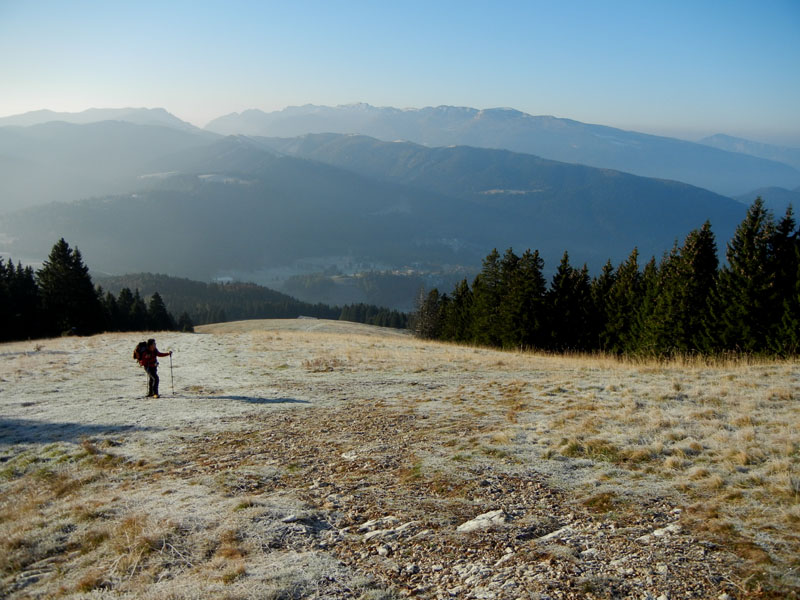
point(379, 534)
point(674, 528)
point(484, 521)
point(378, 524)
point(554, 534)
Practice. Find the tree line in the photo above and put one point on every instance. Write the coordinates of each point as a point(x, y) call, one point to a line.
point(60, 298)
point(684, 303)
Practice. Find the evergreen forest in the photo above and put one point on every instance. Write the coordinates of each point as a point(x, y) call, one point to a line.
point(61, 299)
point(685, 303)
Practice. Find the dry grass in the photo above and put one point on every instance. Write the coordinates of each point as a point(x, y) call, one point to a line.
point(718, 437)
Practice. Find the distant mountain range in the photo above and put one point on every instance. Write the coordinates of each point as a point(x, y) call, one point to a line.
point(140, 190)
point(789, 156)
point(240, 206)
point(725, 172)
point(140, 116)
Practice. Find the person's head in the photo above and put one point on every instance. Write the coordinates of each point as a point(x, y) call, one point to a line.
point(151, 343)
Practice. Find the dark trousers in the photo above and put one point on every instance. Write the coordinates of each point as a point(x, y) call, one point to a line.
point(152, 380)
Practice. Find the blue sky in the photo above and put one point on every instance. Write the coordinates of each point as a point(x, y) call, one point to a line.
point(684, 68)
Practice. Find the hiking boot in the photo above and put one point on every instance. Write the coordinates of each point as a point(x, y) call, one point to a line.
point(155, 395)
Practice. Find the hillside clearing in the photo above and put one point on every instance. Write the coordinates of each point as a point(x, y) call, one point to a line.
point(333, 460)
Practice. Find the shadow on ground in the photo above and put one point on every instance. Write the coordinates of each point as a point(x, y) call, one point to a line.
point(22, 431)
point(257, 400)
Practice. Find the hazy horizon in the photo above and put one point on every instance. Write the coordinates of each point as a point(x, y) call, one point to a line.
point(684, 70)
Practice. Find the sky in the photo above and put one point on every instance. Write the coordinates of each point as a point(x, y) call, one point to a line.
point(681, 68)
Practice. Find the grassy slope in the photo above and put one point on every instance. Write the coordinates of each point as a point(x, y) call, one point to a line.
point(285, 437)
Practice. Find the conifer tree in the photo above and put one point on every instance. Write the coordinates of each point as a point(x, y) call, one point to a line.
point(457, 317)
point(533, 317)
point(600, 293)
point(69, 300)
point(428, 316)
point(696, 284)
point(568, 307)
point(5, 304)
point(185, 323)
point(787, 339)
point(125, 310)
point(486, 297)
point(746, 286)
point(509, 325)
point(111, 310)
point(23, 302)
point(622, 304)
point(786, 259)
point(138, 313)
point(652, 330)
point(158, 317)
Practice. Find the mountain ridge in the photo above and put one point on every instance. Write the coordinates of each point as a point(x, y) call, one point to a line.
point(565, 140)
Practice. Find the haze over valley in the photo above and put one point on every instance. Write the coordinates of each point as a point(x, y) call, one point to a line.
point(138, 188)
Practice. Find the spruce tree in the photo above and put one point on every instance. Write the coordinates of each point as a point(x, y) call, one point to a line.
point(125, 310)
point(568, 307)
point(158, 317)
point(457, 318)
point(787, 339)
point(600, 293)
point(622, 303)
point(69, 300)
point(652, 330)
point(138, 313)
point(746, 286)
point(696, 285)
point(486, 298)
point(428, 316)
point(533, 317)
point(509, 325)
point(786, 259)
point(6, 318)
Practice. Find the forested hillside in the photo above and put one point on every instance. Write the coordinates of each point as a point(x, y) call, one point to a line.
point(684, 303)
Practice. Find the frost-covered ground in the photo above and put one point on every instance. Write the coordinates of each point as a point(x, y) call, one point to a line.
point(333, 460)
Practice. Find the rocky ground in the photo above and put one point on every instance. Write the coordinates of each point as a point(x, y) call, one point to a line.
point(306, 459)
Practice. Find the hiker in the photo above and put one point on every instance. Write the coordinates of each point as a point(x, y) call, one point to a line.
point(149, 360)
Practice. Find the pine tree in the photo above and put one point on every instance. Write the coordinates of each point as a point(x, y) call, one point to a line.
point(25, 302)
point(509, 324)
point(428, 316)
point(568, 307)
point(622, 303)
point(652, 329)
point(787, 340)
point(125, 310)
point(600, 293)
point(746, 286)
point(138, 313)
point(457, 318)
point(69, 300)
point(158, 317)
point(486, 298)
point(697, 282)
point(533, 317)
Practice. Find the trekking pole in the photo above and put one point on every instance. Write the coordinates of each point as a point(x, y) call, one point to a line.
point(171, 376)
